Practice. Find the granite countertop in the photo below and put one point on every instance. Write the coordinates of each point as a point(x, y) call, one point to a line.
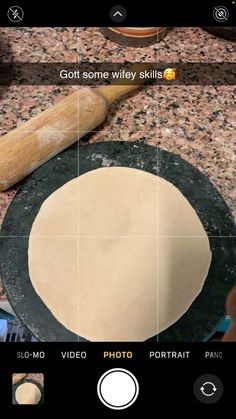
point(196, 122)
point(34, 376)
point(37, 377)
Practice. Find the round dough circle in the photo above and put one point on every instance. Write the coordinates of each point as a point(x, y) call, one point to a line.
point(28, 393)
point(118, 254)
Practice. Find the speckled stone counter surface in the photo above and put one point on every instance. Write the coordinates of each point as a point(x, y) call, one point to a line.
point(36, 377)
point(33, 376)
point(196, 122)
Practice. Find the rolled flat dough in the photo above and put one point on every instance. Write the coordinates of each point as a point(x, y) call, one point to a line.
point(27, 393)
point(118, 254)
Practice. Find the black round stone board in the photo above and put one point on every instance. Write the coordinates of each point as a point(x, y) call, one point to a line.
point(200, 321)
point(27, 380)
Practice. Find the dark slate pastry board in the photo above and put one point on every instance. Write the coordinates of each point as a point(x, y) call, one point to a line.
point(202, 318)
point(24, 381)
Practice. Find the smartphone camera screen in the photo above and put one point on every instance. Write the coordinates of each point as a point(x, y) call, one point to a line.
point(117, 208)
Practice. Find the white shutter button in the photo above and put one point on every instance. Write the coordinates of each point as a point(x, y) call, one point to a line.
point(118, 388)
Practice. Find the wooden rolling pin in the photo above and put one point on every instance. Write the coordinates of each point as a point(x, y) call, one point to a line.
point(18, 377)
point(33, 143)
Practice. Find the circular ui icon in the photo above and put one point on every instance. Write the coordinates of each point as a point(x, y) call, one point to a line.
point(221, 13)
point(208, 389)
point(15, 14)
point(118, 388)
point(118, 14)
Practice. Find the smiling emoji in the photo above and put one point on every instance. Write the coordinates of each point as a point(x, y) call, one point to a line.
point(169, 74)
